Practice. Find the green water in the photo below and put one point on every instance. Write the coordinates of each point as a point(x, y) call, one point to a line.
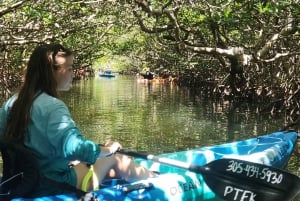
point(160, 118)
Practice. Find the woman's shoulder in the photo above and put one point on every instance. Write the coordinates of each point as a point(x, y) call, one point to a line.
point(46, 98)
point(46, 102)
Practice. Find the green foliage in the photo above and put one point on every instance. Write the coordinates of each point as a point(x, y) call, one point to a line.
point(188, 15)
point(263, 8)
point(227, 13)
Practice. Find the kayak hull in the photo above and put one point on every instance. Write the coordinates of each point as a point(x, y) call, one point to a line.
point(179, 184)
point(107, 75)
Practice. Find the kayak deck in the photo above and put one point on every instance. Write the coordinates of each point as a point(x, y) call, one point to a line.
point(274, 150)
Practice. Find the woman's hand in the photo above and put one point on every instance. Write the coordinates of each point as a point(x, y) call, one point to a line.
point(110, 148)
point(113, 146)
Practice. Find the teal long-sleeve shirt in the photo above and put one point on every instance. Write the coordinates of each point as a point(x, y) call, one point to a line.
point(54, 138)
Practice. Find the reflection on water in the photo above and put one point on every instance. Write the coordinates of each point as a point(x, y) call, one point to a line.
point(159, 118)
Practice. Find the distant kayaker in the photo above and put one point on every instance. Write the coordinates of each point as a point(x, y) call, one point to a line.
point(147, 74)
point(37, 117)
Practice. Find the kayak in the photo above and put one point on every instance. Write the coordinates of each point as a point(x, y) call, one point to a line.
point(226, 165)
point(108, 75)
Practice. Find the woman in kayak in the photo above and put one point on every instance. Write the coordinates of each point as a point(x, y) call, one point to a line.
point(37, 117)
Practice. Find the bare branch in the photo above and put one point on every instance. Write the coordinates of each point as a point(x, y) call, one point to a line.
point(12, 7)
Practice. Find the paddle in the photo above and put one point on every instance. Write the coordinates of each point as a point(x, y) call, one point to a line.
point(237, 180)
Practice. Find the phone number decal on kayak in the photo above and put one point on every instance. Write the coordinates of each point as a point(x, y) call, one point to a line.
point(253, 171)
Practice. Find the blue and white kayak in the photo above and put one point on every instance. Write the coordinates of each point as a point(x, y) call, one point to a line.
point(108, 75)
point(180, 184)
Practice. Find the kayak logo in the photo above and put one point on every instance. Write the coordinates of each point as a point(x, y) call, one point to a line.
point(239, 194)
point(184, 187)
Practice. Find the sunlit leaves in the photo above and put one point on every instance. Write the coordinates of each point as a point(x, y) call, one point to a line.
point(187, 15)
point(227, 13)
point(263, 8)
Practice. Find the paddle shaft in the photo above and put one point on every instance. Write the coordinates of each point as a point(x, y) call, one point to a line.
point(165, 161)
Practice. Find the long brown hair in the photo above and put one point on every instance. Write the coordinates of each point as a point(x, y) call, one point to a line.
point(39, 77)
